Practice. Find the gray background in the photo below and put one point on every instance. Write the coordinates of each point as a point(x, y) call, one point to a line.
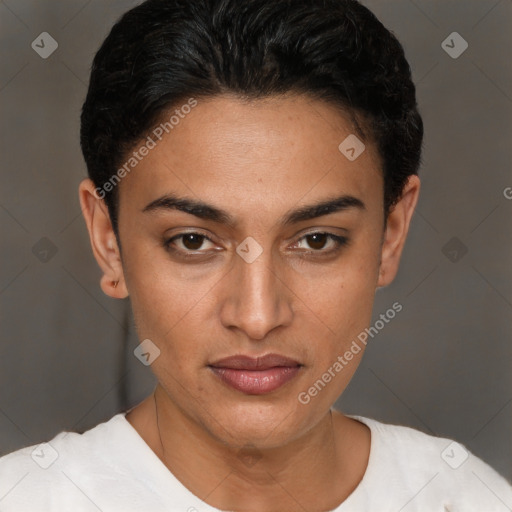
point(441, 366)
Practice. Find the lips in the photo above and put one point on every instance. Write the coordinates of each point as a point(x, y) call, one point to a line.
point(256, 376)
point(265, 362)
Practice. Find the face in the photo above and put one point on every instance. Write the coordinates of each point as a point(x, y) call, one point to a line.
point(257, 269)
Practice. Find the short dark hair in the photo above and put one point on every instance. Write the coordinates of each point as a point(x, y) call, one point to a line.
point(164, 51)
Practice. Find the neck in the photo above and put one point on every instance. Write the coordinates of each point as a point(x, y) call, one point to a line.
point(316, 471)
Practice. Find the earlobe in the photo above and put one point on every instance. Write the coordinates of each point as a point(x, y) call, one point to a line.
point(396, 230)
point(103, 241)
point(113, 288)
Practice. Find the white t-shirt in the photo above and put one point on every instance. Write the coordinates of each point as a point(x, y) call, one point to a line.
point(111, 468)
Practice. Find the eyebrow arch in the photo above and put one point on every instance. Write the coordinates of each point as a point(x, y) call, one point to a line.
point(209, 212)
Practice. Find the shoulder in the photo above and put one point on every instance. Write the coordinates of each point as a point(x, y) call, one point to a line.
point(440, 470)
point(61, 471)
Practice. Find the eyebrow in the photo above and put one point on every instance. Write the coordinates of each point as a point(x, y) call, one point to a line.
point(209, 212)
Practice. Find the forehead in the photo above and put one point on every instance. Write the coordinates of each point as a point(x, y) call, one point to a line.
point(255, 153)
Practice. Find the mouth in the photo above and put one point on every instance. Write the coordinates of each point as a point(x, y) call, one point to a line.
point(256, 375)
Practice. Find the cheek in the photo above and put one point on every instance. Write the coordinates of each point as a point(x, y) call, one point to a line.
point(343, 295)
point(340, 308)
point(170, 307)
point(344, 305)
point(163, 306)
point(159, 298)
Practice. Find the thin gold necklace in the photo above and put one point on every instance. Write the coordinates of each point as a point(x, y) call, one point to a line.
point(159, 433)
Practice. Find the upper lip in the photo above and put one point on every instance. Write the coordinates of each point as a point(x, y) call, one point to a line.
point(243, 362)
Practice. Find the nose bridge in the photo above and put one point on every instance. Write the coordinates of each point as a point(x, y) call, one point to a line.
point(257, 301)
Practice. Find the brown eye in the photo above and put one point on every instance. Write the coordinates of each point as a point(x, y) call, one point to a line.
point(317, 241)
point(321, 243)
point(188, 243)
point(192, 241)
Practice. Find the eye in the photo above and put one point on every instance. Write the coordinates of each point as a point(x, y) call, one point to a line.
point(192, 244)
point(319, 240)
point(188, 242)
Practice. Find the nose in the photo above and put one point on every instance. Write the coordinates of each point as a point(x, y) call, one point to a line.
point(256, 298)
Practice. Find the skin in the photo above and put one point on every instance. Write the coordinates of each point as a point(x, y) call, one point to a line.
point(257, 160)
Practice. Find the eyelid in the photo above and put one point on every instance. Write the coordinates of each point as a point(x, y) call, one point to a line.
point(326, 231)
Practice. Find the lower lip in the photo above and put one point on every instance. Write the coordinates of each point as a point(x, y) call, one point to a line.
point(256, 382)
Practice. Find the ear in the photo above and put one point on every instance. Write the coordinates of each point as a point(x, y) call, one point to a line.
point(397, 227)
point(103, 240)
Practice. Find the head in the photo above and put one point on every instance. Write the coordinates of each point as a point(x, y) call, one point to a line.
point(252, 175)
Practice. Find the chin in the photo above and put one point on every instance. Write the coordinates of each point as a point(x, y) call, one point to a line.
point(261, 425)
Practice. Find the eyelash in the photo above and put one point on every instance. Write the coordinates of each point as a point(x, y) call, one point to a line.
point(340, 242)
